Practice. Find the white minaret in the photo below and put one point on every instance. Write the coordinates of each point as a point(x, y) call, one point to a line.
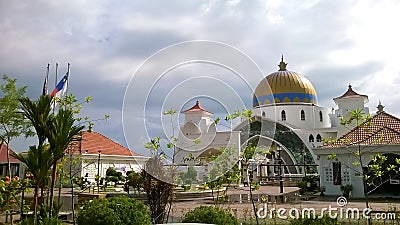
point(349, 101)
point(197, 121)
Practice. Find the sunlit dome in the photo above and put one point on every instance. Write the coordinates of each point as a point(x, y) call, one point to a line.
point(284, 86)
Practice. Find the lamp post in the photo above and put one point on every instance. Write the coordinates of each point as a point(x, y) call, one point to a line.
point(280, 169)
point(98, 172)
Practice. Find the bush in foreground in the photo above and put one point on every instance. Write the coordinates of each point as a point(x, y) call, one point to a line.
point(210, 214)
point(114, 211)
point(325, 220)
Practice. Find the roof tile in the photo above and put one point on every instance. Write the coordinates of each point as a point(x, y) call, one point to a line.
point(383, 128)
point(91, 142)
point(3, 154)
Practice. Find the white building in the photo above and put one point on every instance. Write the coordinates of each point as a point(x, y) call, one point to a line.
point(289, 121)
point(96, 153)
point(199, 139)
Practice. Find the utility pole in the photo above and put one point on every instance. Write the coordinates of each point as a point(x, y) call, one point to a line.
point(98, 172)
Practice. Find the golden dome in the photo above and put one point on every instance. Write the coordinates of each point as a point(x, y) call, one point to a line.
point(284, 86)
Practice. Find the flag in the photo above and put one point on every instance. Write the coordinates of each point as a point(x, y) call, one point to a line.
point(61, 87)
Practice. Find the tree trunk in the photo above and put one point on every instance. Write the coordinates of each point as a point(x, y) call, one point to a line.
point(53, 181)
point(35, 204)
point(252, 202)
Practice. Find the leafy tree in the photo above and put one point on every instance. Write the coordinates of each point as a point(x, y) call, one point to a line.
point(39, 113)
point(62, 130)
point(189, 176)
point(135, 180)
point(113, 176)
point(12, 121)
point(159, 194)
point(38, 161)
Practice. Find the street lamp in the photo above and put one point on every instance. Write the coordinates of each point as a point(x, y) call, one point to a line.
point(98, 172)
point(278, 148)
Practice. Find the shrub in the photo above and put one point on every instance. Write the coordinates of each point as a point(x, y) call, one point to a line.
point(114, 211)
point(210, 214)
point(303, 186)
point(325, 220)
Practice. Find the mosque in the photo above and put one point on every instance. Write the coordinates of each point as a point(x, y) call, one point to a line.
point(288, 121)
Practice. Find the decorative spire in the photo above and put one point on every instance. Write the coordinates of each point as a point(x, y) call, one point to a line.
point(350, 87)
point(282, 65)
point(380, 107)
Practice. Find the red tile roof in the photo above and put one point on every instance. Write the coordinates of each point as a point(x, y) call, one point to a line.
point(3, 155)
point(196, 108)
point(91, 142)
point(382, 129)
point(350, 93)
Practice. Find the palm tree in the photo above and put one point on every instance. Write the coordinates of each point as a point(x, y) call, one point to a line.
point(39, 113)
point(61, 131)
point(38, 161)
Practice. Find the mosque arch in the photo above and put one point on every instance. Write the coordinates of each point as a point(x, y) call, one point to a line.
point(190, 129)
point(212, 128)
point(281, 133)
point(284, 153)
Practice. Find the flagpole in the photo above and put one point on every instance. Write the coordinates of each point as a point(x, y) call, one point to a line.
point(68, 71)
point(46, 79)
point(55, 85)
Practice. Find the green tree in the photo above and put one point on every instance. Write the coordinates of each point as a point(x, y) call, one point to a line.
point(159, 194)
point(189, 176)
point(135, 180)
point(113, 176)
point(62, 130)
point(38, 161)
point(12, 122)
point(39, 113)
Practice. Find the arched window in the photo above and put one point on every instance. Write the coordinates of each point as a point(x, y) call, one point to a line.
point(302, 115)
point(311, 138)
point(321, 118)
point(283, 115)
point(319, 138)
point(263, 114)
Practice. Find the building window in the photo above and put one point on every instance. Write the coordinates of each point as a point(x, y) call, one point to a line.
point(328, 174)
point(302, 115)
point(319, 139)
point(283, 115)
point(311, 138)
point(321, 118)
point(263, 114)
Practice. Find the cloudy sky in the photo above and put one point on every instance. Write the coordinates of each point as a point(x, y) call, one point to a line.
point(333, 43)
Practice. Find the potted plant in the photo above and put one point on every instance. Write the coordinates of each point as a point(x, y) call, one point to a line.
point(346, 189)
